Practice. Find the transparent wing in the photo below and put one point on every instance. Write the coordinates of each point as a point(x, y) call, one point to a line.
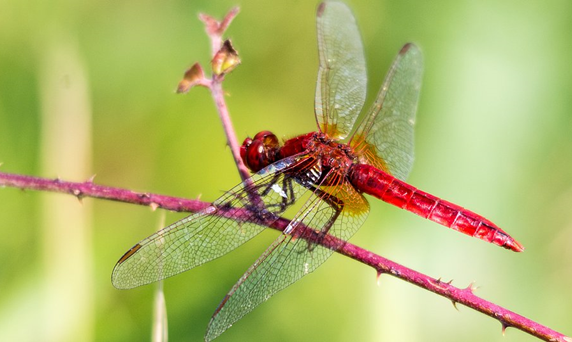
point(385, 137)
point(229, 222)
point(341, 85)
point(335, 211)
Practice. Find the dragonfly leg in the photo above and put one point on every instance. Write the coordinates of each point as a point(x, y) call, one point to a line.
point(314, 237)
point(252, 199)
point(286, 191)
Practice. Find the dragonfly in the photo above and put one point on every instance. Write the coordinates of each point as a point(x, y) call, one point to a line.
point(327, 171)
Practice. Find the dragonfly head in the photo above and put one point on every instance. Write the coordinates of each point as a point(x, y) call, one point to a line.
point(260, 151)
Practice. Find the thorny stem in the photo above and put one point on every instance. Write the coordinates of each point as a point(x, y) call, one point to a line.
point(90, 189)
point(463, 296)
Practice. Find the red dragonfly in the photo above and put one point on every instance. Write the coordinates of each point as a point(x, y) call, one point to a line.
point(330, 175)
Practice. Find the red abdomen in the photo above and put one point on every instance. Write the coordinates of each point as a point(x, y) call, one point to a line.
point(380, 184)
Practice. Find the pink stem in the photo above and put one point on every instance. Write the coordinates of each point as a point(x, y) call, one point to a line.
point(90, 189)
point(218, 97)
point(463, 296)
point(215, 30)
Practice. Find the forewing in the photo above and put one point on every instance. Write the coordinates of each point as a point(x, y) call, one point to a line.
point(385, 137)
point(341, 85)
point(291, 256)
point(229, 222)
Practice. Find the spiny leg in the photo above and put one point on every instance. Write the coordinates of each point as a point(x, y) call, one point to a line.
point(336, 204)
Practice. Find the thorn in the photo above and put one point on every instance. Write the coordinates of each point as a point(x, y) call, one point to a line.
point(455, 305)
point(440, 283)
point(504, 326)
point(90, 180)
point(449, 282)
point(378, 277)
point(78, 194)
point(153, 206)
point(471, 288)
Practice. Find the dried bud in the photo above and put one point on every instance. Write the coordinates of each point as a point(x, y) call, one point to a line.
point(225, 60)
point(193, 76)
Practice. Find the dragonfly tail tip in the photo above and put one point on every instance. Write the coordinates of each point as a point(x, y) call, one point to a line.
point(515, 246)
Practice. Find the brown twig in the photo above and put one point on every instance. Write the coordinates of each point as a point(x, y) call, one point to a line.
point(464, 296)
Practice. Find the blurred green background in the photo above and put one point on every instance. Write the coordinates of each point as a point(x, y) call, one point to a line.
point(87, 87)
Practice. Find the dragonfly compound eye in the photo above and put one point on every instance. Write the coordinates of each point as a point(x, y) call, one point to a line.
point(259, 152)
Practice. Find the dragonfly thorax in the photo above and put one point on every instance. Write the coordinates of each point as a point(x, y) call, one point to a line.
point(332, 153)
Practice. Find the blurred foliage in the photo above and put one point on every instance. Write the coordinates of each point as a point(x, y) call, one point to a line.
point(494, 134)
